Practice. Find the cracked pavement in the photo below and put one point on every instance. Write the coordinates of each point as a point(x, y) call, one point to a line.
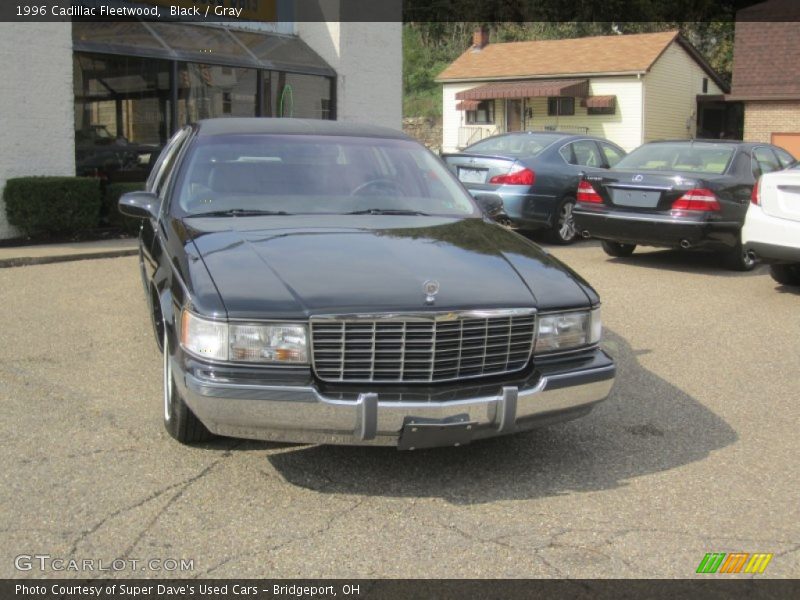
point(695, 451)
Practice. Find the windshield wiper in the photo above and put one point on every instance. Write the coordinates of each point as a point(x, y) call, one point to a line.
point(241, 212)
point(388, 211)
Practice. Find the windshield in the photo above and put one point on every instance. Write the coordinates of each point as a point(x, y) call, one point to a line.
point(292, 174)
point(518, 146)
point(680, 156)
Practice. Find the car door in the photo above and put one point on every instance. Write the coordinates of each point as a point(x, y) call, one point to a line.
point(764, 161)
point(586, 159)
point(156, 184)
point(611, 153)
point(786, 159)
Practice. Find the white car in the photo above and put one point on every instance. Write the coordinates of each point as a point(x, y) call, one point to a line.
point(772, 227)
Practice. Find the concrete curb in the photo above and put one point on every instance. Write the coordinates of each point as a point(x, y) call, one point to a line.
point(24, 261)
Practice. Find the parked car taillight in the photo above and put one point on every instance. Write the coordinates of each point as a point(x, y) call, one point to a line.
point(521, 176)
point(755, 195)
point(587, 193)
point(700, 199)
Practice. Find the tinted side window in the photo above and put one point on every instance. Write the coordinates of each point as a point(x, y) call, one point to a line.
point(157, 177)
point(764, 161)
point(587, 154)
point(785, 158)
point(612, 154)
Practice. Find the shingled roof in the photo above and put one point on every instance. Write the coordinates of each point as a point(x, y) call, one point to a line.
point(556, 58)
point(766, 51)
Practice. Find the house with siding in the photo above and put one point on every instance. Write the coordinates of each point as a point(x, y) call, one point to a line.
point(766, 72)
point(630, 89)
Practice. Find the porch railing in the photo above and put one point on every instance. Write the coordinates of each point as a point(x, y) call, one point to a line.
point(560, 128)
point(470, 135)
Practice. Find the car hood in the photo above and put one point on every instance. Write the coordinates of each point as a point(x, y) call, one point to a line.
point(297, 266)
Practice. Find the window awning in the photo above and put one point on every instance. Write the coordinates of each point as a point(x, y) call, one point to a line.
point(201, 44)
point(578, 88)
point(468, 105)
point(600, 102)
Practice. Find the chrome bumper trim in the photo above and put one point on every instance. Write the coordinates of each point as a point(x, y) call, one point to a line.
point(304, 415)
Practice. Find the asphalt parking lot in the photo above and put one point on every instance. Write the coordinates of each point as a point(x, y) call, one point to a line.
point(695, 451)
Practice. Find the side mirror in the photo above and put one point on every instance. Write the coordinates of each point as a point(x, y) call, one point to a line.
point(491, 205)
point(141, 205)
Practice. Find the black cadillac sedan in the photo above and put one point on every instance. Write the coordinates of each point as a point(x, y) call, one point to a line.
point(312, 281)
point(536, 175)
point(677, 194)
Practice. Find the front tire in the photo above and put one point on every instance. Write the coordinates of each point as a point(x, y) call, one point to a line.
point(786, 274)
point(179, 420)
point(617, 249)
point(564, 231)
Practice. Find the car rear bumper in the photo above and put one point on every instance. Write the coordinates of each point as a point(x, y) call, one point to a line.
point(524, 209)
point(772, 239)
point(307, 415)
point(672, 231)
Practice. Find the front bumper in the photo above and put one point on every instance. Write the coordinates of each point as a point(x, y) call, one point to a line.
point(662, 230)
point(304, 414)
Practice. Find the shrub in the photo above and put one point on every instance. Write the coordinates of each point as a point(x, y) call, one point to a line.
point(41, 206)
point(110, 212)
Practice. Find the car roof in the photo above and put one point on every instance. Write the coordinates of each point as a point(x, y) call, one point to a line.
point(711, 141)
point(556, 135)
point(228, 126)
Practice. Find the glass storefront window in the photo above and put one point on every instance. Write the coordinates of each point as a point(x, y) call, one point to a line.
point(136, 83)
point(209, 91)
point(121, 112)
point(296, 95)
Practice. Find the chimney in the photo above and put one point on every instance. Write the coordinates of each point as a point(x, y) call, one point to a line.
point(480, 38)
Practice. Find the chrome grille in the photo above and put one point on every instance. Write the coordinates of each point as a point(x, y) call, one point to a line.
point(421, 348)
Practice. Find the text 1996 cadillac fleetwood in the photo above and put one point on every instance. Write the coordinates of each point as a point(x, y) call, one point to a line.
point(313, 281)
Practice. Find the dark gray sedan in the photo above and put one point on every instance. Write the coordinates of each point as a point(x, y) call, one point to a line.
point(536, 175)
point(314, 281)
point(690, 194)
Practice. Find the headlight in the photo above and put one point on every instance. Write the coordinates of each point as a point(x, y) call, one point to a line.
point(565, 331)
point(218, 340)
point(203, 338)
point(268, 343)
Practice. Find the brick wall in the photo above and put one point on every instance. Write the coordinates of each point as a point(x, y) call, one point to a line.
point(761, 119)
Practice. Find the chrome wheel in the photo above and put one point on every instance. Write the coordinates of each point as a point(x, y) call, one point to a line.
point(167, 379)
point(563, 230)
point(740, 259)
point(748, 260)
point(567, 222)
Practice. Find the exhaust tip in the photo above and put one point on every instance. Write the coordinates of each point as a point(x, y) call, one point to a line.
point(585, 234)
point(686, 244)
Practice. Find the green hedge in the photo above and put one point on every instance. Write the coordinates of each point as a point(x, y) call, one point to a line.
point(40, 206)
point(110, 212)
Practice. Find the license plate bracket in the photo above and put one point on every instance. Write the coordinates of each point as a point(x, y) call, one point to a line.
point(418, 433)
point(636, 198)
point(472, 175)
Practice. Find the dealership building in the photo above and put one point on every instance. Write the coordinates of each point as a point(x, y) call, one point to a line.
point(74, 94)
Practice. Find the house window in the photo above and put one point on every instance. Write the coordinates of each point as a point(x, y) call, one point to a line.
point(601, 110)
point(705, 85)
point(561, 106)
point(484, 114)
